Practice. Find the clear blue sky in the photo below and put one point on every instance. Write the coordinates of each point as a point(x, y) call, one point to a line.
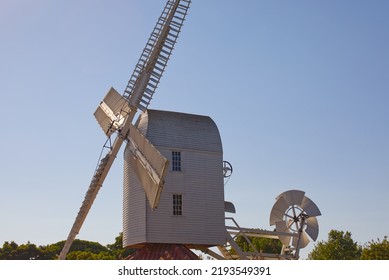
point(298, 89)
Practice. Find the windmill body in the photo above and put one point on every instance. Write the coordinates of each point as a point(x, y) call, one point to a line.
point(191, 206)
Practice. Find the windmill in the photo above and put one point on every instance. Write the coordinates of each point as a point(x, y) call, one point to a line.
point(116, 113)
point(191, 209)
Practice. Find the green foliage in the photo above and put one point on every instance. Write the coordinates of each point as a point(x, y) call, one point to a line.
point(8, 251)
point(340, 246)
point(87, 255)
point(117, 249)
point(51, 252)
point(263, 245)
point(80, 250)
point(376, 250)
point(13, 251)
point(85, 246)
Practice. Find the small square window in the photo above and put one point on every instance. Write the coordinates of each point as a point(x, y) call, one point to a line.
point(177, 204)
point(176, 161)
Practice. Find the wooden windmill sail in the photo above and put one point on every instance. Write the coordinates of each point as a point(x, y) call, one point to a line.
point(116, 113)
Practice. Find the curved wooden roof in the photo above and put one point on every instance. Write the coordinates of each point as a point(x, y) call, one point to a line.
point(180, 130)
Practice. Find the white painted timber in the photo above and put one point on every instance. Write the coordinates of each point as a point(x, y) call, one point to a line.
point(200, 182)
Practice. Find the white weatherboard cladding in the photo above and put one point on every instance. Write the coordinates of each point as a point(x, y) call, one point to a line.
point(200, 183)
point(202, 221)
point(134, 205)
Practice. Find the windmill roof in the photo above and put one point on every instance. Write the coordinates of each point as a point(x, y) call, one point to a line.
point(180, 130)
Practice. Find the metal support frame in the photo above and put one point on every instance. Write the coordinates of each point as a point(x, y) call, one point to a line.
point(232, 232)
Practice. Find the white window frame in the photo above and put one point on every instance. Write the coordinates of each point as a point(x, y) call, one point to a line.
point(176, 161)
point(177, 204)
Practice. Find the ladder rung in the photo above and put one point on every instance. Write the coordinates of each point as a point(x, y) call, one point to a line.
point(181, 12)
point(175, 23)
point(142, 108)
point(154, 80)
point(163, 57)
point(182, 6)
point(153, 37)
point(152, 86)
point(160, 63)
point(145, 50)
point(144, 102)
point(179, 18)
point(175, 36)
point(174, 29)
point(149, 91)
point(147, 98)
point(169, 41)
point(159, 69)
point(165, 52)
point(155, 74)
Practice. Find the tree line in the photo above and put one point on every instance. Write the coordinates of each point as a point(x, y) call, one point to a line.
point(339, 246)
point(80, 250)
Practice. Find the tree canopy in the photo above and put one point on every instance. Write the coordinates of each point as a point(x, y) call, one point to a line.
point(80, 250)
point(340, 246)
point(376, 250)
point(263, 245)
point(13, 251)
